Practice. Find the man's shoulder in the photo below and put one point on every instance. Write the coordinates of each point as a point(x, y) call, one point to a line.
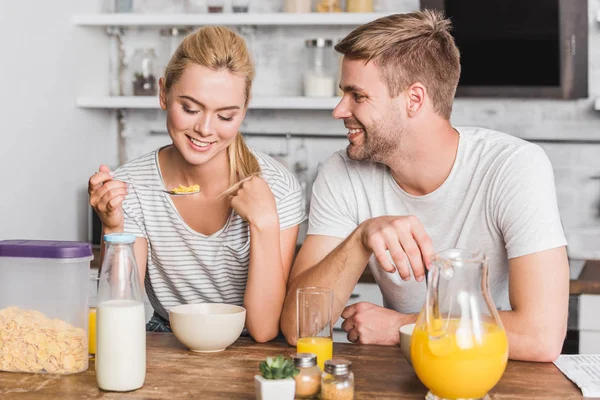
point(491, 144)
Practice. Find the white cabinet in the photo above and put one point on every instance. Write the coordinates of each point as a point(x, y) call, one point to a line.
point(368, 292)
point(589, 324)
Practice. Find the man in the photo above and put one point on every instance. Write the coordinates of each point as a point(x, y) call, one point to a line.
point(409, 185)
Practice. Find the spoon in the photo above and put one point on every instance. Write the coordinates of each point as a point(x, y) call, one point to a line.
point(156, 189)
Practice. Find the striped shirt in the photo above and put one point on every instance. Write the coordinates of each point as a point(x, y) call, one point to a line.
point(184, 266)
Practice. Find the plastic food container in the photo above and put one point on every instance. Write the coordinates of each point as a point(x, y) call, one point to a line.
point(44, 288)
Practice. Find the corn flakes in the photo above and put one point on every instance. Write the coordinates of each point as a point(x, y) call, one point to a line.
point(32, 342)
point(182, 189)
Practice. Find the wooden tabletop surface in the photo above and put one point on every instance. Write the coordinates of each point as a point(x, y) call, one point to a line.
point(173, 372)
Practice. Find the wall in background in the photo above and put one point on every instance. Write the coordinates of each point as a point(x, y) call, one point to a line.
point(48, 147)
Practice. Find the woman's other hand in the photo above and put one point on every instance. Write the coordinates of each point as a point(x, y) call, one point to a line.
point(255, 203)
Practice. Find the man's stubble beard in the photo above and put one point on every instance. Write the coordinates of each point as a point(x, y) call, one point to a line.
point(377, 146)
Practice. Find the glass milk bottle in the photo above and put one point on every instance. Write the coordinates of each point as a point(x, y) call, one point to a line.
point(121, 323)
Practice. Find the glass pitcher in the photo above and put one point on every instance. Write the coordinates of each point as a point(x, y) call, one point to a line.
point(120, 318)
point(459, 348)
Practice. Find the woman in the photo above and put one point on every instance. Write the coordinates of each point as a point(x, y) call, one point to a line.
point(205, 247)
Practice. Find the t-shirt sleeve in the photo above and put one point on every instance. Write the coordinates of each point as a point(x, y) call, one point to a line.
point(525, 205)
point(132, 210)
point(333, 207)
point(290, 205)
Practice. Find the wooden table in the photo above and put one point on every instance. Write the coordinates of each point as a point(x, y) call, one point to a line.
point(173, 372)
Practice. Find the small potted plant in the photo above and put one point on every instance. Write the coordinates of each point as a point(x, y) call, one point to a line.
point(276, 381)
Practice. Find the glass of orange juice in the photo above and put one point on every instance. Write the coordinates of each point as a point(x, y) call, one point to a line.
point(94, 278)
point(314, 308)
point(459, 348)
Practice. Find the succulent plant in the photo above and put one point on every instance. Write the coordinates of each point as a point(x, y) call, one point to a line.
point(278, 368)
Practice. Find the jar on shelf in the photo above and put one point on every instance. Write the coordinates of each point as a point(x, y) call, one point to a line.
point(308, 380)
point(170, 39)
point(360, 6)
point(158, 6)
point(194, 6)
point(144, 77)
point(339, 60)
point(240, 6)
point(328, 6)
point(297, 6)
point(337, 381)
point(320, 72)
point(119, 6)
point(215, 6)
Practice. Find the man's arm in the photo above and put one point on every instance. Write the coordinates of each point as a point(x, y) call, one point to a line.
point(324, 261)
point(536, 326)
point(539, 296)
point(403, 236)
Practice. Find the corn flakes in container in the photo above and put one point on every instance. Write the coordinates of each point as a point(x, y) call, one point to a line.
point(44, 287)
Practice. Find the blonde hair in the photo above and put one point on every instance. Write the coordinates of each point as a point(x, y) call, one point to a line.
point(219, 48)
point(409, 48)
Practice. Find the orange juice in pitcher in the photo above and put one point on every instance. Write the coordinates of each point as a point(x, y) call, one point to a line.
point(459, 348)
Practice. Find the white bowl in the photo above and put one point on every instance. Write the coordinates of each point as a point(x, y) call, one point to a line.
point(406, 332)
point(207, 327)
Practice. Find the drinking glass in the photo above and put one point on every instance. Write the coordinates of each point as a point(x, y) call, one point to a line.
point(94, 278)
point(314, 308)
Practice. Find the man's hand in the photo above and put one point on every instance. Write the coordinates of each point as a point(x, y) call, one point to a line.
point(367, 323)
point(406, 240)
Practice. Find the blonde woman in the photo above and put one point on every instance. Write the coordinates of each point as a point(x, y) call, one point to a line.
point(205, 247)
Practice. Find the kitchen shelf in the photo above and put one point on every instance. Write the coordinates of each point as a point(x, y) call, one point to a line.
point(132, 19)
point(264, 103)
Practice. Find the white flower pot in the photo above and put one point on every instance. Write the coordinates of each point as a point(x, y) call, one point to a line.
point(274, 389)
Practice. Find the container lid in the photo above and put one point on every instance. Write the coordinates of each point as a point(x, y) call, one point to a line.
point(304, 360)
point(318, 42)
point(44, 249)
point(338, 366)
point(119, 238)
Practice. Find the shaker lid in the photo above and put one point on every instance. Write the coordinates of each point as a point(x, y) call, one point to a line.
point(119, 238)
point(44, 249)
point(304, 360)
point(338, 366)
point(318, 42)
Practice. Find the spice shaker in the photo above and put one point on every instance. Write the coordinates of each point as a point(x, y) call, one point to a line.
point(337, 381)
point(308, 380)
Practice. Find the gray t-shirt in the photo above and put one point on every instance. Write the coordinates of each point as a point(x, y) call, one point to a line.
point(184, 266)
point(499, 198)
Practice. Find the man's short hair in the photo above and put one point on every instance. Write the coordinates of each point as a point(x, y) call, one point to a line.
point(409, 48)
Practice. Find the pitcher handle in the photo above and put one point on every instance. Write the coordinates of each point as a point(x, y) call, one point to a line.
point(432, 310)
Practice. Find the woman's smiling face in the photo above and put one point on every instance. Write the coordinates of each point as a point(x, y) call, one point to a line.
point(205, 109)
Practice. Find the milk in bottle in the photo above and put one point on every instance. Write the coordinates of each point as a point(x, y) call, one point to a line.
point(121, 324)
